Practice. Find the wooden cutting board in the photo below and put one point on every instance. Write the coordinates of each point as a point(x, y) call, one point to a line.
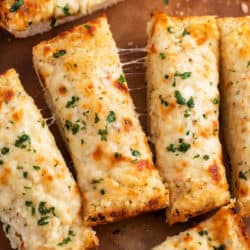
point(128, 22)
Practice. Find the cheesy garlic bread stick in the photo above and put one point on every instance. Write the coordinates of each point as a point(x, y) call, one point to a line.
point(235, 47)
point(24, 18)
point(183, 107)
point(40, 204)
point(223, 231)
point(82, 74)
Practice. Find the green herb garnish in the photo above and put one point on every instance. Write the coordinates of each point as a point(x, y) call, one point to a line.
point(59, 53)
point(111, 117)
point(17, 4)
point(72, 103)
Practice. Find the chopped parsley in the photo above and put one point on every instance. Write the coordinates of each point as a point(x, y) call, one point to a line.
point(64, 242)
point(170, 30)
point(184, 75)
point(206, 157)
point(196, 156)
point(134, 152)
point(248, 64)
point(17, 4)
point(185, 33)
point(96, 181)
point(121, 79)
point(179, 98)
point(43, 221)
point(171, 148)
point(242, 175)
point(163, 102)
point(75, 127)
point(36, 167)
point(1, 162)
point(67, 239)
point(97, 119)
point(190, 102)
point(203, 232)
point(181, 147)
point(72, 103)
point(103, 133)
point(162, 56)
point(29, 204)
point(23, 141)
point(86, 26)
point(43, 210)
point(59, 53)
point(25, 175)
point(66, 10)
point(102, 191)
point(111, 117)
point(182, 101)
point(5, 150)
point(215, 100)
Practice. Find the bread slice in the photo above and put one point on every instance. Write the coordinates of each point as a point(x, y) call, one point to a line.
point(235, 51)
point(24, 18)
point(81, 72)
point(183, 110)
point(223, 231)
point(40, 203)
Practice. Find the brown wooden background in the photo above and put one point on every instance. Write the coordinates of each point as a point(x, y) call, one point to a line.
point(128, 23)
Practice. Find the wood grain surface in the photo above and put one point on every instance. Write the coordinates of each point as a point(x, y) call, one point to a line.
point(128, 23)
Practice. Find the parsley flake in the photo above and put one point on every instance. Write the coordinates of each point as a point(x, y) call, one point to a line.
point(17, 4)
point(72, 103)
point(59, 53)
point(111, 117)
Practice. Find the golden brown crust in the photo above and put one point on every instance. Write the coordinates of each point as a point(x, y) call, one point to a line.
point(235, 54)
point(34, 179)
point(183, 107)
point(112, 158)
point(29, 17)
point(224, 230)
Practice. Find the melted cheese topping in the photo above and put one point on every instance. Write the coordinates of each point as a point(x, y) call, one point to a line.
point(40, 204)
point(223, 231)
point(82, 73)
point(236, 88)
point(29, 17)
point(183, 97)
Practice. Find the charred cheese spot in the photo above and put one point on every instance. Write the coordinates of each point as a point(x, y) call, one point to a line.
point(201, 33)
point(47, 50)
point(46, 177)
point(214, 171)
point(127, 124)
point(62, 90)
point(243, 191)
point(144, 164)
point(17, 116)
point(153, 203)
point(7, 95)
point(91, 29)
point(167, 110)
point(4, 176)
point(122, 87)
point(152, 49)
point(98, 153)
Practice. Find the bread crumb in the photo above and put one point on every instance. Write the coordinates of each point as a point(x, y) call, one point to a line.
point(244, 7)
